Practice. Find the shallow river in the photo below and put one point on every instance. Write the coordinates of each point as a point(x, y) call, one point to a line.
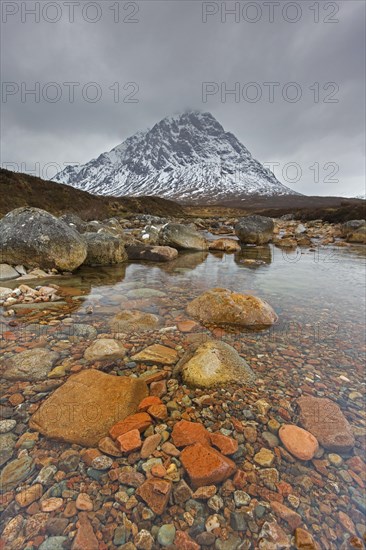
point(319, 297)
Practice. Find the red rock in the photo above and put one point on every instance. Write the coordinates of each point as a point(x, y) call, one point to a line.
point(130, 441)
point(170, 449)
point(158, 470)
point(225, 444)
point(356, 464)
point(292, 518)
point(85, 538)
point(184, 542)
point(155, 377)
point(298, 442)
point(347, 523)
point(155, 492)
point(148, 401)
point(84, 502)
point(304, 540)
point(158, 388)
point(325, 420)
point(187, 326)
point(16, 399)
point(150, 445)
point(240, 479)
point(108, 447)
point(205, 465)
point(138, 421)
point(131, 477)
point(186, 433)
point(159, 412)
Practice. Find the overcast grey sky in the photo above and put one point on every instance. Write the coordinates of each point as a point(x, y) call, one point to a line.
point(150, 59)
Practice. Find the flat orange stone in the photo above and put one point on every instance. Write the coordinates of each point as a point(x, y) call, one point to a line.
point(225, 444)
point(186, 433)
point(298, 442)
point(205, 465)
point(130, 441)
point(138, 421)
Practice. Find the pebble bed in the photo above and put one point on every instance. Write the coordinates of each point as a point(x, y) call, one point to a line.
point(63, 498)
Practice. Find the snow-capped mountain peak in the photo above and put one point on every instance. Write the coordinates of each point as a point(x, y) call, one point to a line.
point(187, 157)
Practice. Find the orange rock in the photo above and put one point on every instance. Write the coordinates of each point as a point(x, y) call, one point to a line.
point(298, 442)
point(240, 479)
point(158, 388)
point(187, 326)
point(130, 441)
point(158, 412)
point(138, 421)
point(155, 492)
point(347, 523)
point(158, 470)
point(357, 464)
point(186, 433)
point(16, 399)
point(157, 354)
point(29, 495)
point(225, 245)
point(87, 405)
point(292, 518)
point(225, 444)
point(85, 538)
point(221, 306)
point(184, 542)
point(155, 377)
point(205, 465)
point(148, 401)
point(51, 504)
point(304, 540)
point(84, 502)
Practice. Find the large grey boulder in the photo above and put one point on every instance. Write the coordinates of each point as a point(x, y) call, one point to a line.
point(7, 272)
point(73, 221)
point(182, 236)
point(104, 249)
point(351, 226)
point(254, 229)
point(34, 238)
point(354, 231)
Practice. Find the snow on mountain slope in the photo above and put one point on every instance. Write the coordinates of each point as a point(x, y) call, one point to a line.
point(187, 157)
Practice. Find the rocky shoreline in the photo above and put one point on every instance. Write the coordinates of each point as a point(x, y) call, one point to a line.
point(149, 431)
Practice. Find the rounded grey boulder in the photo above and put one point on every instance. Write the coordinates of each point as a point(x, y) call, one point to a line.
point(214, 363)
point(104, 249)
point(254, 229)
point(182, 236)
point(34, 238)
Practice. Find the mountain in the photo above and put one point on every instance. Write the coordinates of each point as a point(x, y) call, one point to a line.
point(187, 157)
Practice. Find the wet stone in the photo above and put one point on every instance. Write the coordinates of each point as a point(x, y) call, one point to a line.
point(14, 472)
point(7, 426)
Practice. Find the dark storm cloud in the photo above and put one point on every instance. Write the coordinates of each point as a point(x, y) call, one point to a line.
point(315, 145)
